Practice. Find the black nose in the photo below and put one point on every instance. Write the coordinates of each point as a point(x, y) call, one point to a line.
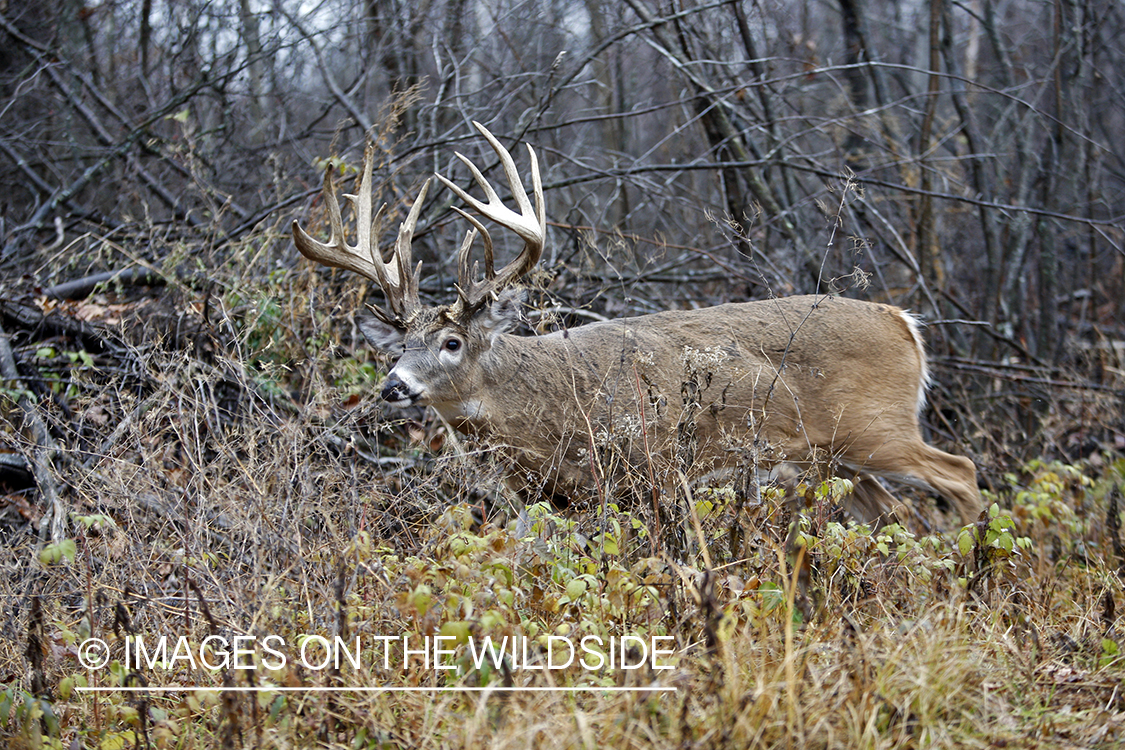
point(394, 390)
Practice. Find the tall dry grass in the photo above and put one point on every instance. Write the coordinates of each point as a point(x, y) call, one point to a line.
point(226, 472)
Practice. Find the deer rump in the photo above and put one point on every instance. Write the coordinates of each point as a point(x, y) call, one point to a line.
point(809, 380)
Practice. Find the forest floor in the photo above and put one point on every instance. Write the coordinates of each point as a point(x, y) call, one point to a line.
point(200, 479)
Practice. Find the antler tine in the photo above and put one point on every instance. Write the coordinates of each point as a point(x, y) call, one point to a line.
point(395, 278)
point(466, 272)
point(408, 298)
point(489, 271)
point(530, 223)
point(470, 292)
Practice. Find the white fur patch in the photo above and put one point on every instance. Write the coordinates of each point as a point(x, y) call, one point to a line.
point(471, 409)
point(914, 323)
point(415, 387)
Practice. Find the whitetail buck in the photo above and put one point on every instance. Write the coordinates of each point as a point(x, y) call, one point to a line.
point(812, 379)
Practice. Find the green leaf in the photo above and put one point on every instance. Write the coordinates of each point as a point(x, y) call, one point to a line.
point(458, 630)
point(609, 544)
point(421, 598)
point(965, 541)
point(65, 549)
point(119, 741)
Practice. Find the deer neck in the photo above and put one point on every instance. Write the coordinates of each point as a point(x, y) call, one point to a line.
point(517, 376)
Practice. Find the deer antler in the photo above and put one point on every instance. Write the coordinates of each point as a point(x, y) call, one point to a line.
point(529, 223)
point(395, 277)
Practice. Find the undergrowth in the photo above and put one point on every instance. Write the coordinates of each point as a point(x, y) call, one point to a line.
point(1003, 632)
point(231, 488)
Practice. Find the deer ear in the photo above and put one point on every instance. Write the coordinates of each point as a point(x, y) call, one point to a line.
point(505, 312)
point(383, 338)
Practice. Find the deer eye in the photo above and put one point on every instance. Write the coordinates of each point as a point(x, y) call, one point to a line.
point(452, 345)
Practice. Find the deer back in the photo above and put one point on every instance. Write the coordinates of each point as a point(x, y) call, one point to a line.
point(696, 389)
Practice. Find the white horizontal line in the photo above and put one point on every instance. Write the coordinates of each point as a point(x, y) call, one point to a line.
point(316, 689)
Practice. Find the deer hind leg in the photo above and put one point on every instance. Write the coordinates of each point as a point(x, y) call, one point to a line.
point(920, 465)
point(871, 503)
point(868, 502)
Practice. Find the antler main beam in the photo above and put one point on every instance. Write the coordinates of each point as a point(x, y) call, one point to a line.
point(530, 224)
point(395, 277)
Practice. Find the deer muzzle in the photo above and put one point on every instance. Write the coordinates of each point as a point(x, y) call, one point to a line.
point(397, 392)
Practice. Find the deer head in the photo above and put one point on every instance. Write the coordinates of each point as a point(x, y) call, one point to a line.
point(437, 346)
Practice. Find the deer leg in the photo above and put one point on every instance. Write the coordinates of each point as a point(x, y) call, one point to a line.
point(871, 503)
point(921, 465)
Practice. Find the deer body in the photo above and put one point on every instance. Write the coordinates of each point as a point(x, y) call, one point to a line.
point(801, 380)
point(806, 380)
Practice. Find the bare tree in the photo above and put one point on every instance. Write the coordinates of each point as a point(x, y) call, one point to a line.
point(962, 158)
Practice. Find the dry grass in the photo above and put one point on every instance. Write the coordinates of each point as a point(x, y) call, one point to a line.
point(226, 481)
